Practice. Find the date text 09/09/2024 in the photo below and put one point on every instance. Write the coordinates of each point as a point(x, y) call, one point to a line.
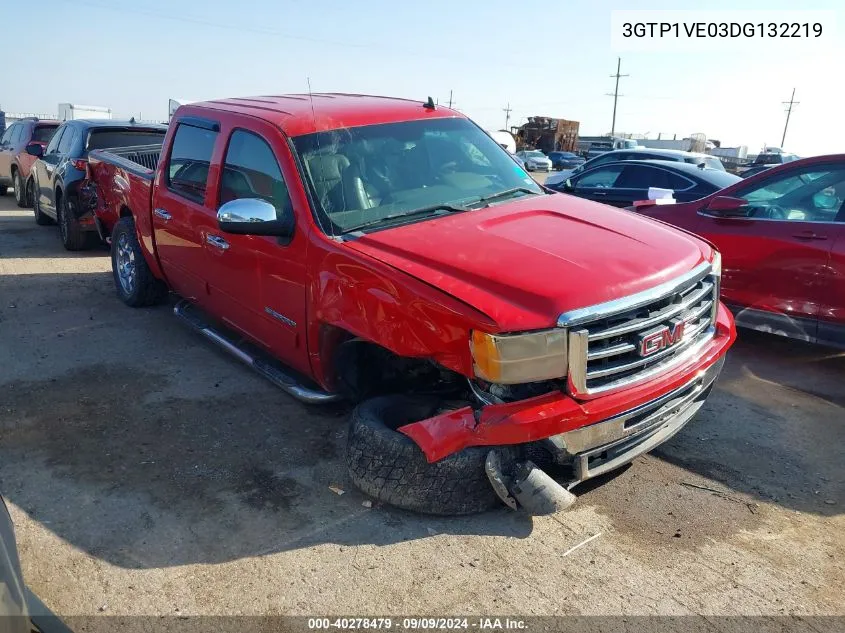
point(722, 29)
point(418, 624)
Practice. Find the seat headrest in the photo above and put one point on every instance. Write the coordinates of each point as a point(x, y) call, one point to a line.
point(327, 167)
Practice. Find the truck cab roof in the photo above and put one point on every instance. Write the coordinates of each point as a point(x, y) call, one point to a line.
point(299, 114)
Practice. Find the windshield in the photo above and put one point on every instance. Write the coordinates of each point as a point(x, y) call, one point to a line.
point(768, 159)
point(377, 174)
point(711, 162)
point(535, 154)
point(112, 138)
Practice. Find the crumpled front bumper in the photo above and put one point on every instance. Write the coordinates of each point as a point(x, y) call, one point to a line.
point(594, 432)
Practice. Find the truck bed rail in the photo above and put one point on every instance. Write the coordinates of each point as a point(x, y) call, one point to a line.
point(144, 155)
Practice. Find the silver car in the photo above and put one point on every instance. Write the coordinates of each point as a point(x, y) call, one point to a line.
point(535, 160)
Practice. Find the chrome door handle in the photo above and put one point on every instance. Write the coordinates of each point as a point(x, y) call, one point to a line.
point(599, 193)
point(161, 213)
point(217, 241)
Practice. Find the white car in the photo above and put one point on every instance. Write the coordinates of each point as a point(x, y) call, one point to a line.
point(535, 160)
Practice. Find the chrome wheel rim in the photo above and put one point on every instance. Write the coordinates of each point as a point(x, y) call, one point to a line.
point(125, 264)
point(17, 184)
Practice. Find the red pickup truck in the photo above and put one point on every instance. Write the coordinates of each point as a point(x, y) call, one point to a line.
point(390, 253)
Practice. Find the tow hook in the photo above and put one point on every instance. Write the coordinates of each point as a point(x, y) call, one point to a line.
point(521, 484)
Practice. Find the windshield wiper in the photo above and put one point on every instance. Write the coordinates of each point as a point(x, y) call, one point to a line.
point(504, 194)
point(450, 208)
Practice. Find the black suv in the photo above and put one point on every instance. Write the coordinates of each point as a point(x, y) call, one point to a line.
point(62, 172)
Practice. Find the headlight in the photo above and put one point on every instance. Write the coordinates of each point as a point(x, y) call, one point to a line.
point(716, 263)
point(517, 358)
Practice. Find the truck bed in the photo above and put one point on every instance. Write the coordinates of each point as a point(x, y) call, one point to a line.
point(121, 180)
point(140, 159)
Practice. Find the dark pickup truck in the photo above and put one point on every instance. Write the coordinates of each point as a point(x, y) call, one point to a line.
point(390, 253)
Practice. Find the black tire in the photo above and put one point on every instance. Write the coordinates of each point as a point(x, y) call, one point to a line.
point(41, 218)
point(74, 237)
point(20, 191)
point(3, 190)
point(390, 467)
point(146, 290)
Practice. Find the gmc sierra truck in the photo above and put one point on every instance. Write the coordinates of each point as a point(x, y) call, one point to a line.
point(390, 253)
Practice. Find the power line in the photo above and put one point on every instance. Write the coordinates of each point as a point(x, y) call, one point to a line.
point(616, 94)
point(507, 112)
point(789, 103)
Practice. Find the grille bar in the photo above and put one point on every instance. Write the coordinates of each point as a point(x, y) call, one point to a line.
point(664, 315)
point(669, 351)
point(632, 339)
point(611, 351)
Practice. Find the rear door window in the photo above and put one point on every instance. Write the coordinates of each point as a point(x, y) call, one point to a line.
point(7, 135)
point(53, 145)
point(68, 140)
point(18, 133)
point(250, 170)
point(645, 176)
point(190, 158)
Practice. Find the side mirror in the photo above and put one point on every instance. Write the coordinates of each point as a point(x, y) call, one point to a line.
point(35, 149)
point(253, 216)
point(728, 207)
point(567, 185)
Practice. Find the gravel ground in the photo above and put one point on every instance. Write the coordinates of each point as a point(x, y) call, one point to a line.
point(149, 474)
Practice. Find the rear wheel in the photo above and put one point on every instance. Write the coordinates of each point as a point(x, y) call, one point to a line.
point(20, 191)
point(3, 190)
point(74, 237)
point(134, 281)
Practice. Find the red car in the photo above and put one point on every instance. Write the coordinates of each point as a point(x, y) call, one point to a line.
point(782, 237)
point(15, 161)
point(390, 252)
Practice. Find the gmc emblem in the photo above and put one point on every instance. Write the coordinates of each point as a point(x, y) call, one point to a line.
point(660, 338)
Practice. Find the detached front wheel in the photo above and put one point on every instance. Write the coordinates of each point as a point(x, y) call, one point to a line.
point(136, 286)
point(390, 467)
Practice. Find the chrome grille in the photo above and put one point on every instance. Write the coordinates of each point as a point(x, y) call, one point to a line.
point(621, 343)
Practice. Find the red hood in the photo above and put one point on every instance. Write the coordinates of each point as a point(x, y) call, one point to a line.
point(525, 262)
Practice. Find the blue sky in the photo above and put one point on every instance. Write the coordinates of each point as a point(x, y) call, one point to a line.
point(550, 59)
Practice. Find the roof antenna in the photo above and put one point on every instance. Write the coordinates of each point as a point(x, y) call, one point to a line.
point(429, 105)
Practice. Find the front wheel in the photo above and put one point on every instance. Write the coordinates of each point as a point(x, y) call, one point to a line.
point(134, 281)
point(389, 466)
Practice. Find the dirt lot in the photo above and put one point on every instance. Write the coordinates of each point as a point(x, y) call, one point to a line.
point(149, 474)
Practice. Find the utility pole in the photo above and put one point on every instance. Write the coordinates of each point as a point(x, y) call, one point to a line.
point(789, 103)
point(507, 112)
point(616, 94)
point(450, 98)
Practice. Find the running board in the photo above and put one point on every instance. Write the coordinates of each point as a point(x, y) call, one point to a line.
point(269, 368)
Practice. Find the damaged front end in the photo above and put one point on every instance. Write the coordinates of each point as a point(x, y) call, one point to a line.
point(611, 383)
